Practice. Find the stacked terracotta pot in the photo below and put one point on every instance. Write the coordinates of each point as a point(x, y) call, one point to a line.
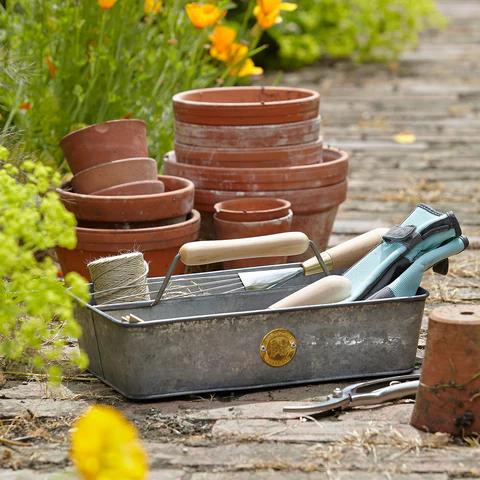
point(258, 141)
point(120, 202)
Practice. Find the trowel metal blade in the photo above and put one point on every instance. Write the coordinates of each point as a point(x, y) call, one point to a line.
point(263, 280)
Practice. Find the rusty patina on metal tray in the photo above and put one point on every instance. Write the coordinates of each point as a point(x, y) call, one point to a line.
point(217, 343)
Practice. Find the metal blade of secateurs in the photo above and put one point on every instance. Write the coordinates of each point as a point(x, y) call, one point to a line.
point(263, 280)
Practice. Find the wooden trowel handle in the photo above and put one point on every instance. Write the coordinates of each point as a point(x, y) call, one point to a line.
point(280, 244)
point(347, 253)
point(334, 288)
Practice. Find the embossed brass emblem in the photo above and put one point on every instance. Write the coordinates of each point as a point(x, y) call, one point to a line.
point(278, 347)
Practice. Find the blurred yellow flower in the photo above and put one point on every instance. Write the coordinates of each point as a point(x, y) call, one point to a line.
point(222, 39)
point(104, 445)
point(203, 15)
point(152, 6)
point(107, 4)
point(238, 52)
point(267, 12)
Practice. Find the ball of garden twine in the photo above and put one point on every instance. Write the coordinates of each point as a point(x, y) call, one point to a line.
point(120, 278)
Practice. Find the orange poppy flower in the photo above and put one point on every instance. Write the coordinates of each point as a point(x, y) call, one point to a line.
point(51, 67)
point(25, 106)
point(107, 4)
point(267, 12)
point(152, 6)
point(222, 39)
point(203, 15)
point(238, 52)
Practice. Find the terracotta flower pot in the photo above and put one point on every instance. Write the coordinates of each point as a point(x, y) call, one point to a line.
point(333, 170)
point(314, 210)
point(147, 187)
point(114, 173)
point(251, 209)
point(105, 142)
point(448, 399)
point(159, 246)
point(247, 136)
point(286, 156)
point(246, 105)
point(226, 230)
point(176, 201)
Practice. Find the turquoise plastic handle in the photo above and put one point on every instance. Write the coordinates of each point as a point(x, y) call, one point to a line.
point(407, 283)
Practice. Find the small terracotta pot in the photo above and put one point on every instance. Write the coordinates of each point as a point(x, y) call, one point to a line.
point(105, 142)
point(267, 157)
point(252, 209)
point(176, 201)
point(226, 230)
point(114, 173)
point(247, 136)
point(159, 246)
point(246, 105)
point(333, 170)
point(147, 187)
point(448, 399)
point(314, 210)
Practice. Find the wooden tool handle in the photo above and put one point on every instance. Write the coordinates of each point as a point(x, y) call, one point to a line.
point(326, 290)
point(347, 253)
point(280, 244)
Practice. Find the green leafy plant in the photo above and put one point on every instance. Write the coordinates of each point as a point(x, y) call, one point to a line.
point(36, 311)
point(363, 30)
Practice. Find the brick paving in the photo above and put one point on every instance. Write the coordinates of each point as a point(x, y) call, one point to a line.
point(433, 93)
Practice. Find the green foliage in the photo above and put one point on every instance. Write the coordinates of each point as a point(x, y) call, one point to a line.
point(364, 30)
point(89, 65)
point(36, 312)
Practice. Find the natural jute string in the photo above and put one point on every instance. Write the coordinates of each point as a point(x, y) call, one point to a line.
point(109, 273)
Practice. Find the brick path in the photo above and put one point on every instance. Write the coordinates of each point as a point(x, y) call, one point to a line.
point(433, 93)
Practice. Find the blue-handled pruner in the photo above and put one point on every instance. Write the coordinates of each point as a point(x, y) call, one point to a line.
point(364, 393)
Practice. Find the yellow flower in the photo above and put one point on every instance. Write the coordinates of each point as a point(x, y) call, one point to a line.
point(107, 4)
point(222, 39)
point(237, 53)
point(105, 446)
point(267, 12)
point(152, 6)
point(203, 15)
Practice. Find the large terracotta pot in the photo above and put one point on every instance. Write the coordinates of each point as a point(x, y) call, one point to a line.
point(159, 246)
point(114, 173)
point(260, 157)
point(314, 210)
point(105, 142)
point(333, 170)
point(177, 200)
point(246, 105)
point(247, 136)
point(226, 230)
point(448, 397)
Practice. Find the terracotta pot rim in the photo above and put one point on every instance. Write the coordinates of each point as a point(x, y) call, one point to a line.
point(123, 198)
point(220, 206)
point(194, 218)
point(342, 157)
point(271, 221)
point(239, 128)
point(300, 208)
point(68, 136)
point(182, 97)
point(126, 185)
point(252, 150)
point(111, 162)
